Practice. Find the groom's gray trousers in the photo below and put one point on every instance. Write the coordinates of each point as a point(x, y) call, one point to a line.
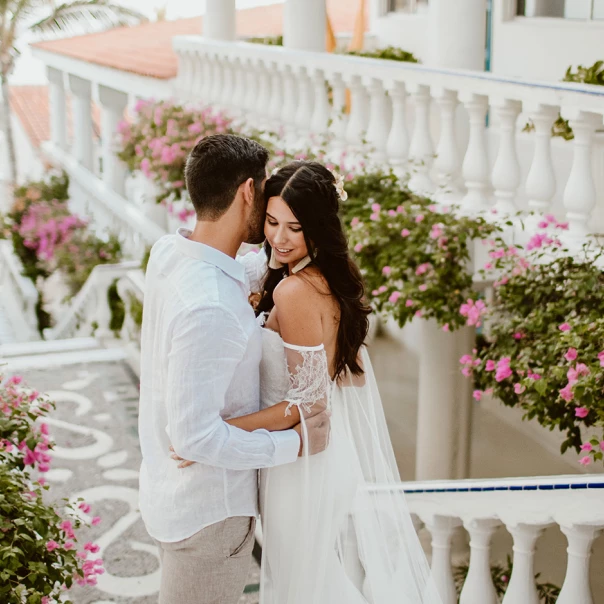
point(210, 567)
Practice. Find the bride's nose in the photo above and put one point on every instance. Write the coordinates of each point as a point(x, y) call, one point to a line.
point(280, 235)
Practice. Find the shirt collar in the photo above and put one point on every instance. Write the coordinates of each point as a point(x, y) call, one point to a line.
point(201, 251)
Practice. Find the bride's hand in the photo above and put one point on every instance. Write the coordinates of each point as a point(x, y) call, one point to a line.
point(184, 462)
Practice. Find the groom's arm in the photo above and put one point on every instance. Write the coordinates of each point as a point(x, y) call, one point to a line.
point(206, 348)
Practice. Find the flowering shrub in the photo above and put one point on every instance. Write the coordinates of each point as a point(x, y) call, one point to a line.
point(414, 254)
point(38, 544)
point(160, 137)
point(544, 344)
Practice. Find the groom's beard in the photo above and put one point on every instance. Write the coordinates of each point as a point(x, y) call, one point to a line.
point(255, 233)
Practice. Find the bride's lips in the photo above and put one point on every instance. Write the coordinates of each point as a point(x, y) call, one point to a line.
point(282, 251)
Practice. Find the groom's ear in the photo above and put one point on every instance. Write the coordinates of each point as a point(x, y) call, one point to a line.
point(248, 191)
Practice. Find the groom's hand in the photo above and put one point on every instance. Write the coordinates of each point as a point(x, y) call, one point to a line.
point(184, 463)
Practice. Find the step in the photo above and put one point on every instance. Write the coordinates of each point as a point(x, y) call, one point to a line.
point(40, 347)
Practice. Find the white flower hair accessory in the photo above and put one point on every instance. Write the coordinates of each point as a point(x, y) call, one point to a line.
point(339, 185)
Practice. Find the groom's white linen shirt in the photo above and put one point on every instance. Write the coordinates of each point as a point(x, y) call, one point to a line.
point(200, 356)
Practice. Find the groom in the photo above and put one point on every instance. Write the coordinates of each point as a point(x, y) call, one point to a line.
point(200, 356)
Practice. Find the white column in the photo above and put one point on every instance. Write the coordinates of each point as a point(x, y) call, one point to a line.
point(378, 128)
point(113, 103)
point(448, 159)
point(442, 529)
point(576, 588)
point(219, 20)
point(457, 33)
point(398, 141)
point(506, 171)
point(443, 408)
point(82, 120)
point(479, 588)
point(305, 24)
point(580, 191)
point(421, 152)
point(522, 588)
point(58, 113)
point(475, 166)
point(541, 181)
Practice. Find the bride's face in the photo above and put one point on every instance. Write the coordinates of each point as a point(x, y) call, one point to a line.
point(283, 232)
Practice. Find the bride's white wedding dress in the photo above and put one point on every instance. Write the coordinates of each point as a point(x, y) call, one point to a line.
point(327, 538)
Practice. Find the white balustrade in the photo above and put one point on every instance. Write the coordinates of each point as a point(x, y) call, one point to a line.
point(525, 507)
point(397, 147)
point(357, 121)
point(305, 102)
point(448, 158)
point(320, 116)
point(421, 152)
point(378, 128)
point(131, 287)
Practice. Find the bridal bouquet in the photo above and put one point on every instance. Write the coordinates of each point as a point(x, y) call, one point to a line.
point(38, 544)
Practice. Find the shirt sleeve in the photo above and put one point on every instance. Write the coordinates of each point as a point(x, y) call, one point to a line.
point(255, 265)
point(206, 348)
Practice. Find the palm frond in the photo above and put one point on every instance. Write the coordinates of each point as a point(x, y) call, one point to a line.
point(87, 16)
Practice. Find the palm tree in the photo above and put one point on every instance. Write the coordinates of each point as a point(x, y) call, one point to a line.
point(77, 17)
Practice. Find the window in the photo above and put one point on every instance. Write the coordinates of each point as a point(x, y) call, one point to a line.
point(564, 9)
point(407, 6)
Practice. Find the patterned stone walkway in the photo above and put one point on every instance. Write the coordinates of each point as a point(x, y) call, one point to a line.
point(97, 457)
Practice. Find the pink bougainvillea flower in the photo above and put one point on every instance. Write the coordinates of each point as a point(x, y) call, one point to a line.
point(490, 365)
point(96, 520)
point(423, 268)
point(467, 371)
point(601, 358)
point(519, 388)
point(409, 303)
point(386, 271)
point(564, 327)
point(394, 296)
point(571, 354)
point(585, 461)
point(382, 289)
point(405, 233)
point(375, 216)
point(581, 412)
point(423, 287)
point(518, 336)
point(567, 393)
point(51, 545)
point(354, 222)
point(358, 247)
point(376, 207)
point(477, 394)
point(446, 327)
point(586, 447)
point(419, 218)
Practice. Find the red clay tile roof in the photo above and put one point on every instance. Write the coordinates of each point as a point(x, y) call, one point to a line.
point(147, 49)
point(30, 105)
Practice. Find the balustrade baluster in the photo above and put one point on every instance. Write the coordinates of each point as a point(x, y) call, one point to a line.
point(397, 146)
point(339, 119)
point(239, 86)
point(421, 151)
point(357, 121)
point(506, 171)
point(541, 181)
point(580, 191)
point(478, 587)
point(320, 116)
point(227, 82)
point(251, 76)
point(276, 97)
point(288, 115)
point(379, 126)
point(522, 588)
point(305, 101)
point(442, 529)
point(205, 70)
point(448, 158)
point(475, 166)
point(263, 98)
point(575, 589)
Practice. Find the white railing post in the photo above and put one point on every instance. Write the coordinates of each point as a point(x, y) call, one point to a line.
point(320, 116)
point(421, 151)
point(82, 120)
point(238, 101)
point(506, 171)
point(339, 123)
point(580, 191)
point(478, 587)
point(522, 588)
point(378, 128)
point(305, 24)
point(113, 104)
point(276, 99)
point(448, 158)
point(576, 589)
point(264, 90)
point(442, 529)
point(227, 83)
point(288, 114)
point(357, 121)
point(58, 113)
point(541, 180)
point(305, 102)
point(475, 167)
point(397, 146)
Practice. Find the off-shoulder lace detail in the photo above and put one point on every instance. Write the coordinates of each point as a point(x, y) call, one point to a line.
point(309, 377)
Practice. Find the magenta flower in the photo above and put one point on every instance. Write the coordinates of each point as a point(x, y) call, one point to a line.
point(585, 461)
point(581, 412)
point(601, 358)
point(386, 271)
point(51, 545)
point(354, 222)
point(543, 224)
point(423, 287)
point(85, 507)
point(567, 393)
point(394, 296)
point(409, 303)
point(376, 207)
point(96, 520)
point(358, 247)
point(405, 233)
point(518, 336)
point(490, 365)
point(382, 289)
point(564, 327)
point(375, 216)
point(465, 359)
point(419, 218)
point(467, 371)
point(519, 388)
point(446, 327)
point(477, 394)
point(571, 354)
point(586, 447)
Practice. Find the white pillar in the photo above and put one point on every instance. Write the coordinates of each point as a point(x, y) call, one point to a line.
point(441, 529)
point(82, 120)
point(421, 151)
point(398, 141)
point(219, 20)
point(448, 157)
point(339, 119)
point(305, 24)
point(113, 104)
point(58, 113)
point(378, 128)
point(458, 33)
point(443, 407)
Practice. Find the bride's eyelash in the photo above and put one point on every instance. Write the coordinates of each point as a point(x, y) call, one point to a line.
point(294, 229)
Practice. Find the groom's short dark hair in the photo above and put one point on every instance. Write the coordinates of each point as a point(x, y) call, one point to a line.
point(217, 166)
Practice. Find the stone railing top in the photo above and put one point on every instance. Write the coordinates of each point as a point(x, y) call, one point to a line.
point(569, 95)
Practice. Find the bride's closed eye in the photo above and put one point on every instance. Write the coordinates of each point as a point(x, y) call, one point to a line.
point(293, 229)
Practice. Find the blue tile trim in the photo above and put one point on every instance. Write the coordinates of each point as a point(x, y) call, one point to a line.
point(516, 487)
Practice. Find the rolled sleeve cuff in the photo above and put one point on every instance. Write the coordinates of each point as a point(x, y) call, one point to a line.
point(287, 446)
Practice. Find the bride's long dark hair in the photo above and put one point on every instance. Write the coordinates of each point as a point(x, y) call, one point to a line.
point(309, 190)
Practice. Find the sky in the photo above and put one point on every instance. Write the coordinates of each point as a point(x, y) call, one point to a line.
point(31, 71)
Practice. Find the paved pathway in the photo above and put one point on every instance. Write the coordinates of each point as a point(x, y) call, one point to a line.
point(97, 457)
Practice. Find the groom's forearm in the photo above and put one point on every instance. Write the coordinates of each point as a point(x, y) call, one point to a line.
point(272, 419)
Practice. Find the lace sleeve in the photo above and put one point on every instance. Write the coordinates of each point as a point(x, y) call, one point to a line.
point(308, 378)
point(254, 264)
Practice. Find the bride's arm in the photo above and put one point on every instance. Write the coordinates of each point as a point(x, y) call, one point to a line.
point(273, 419)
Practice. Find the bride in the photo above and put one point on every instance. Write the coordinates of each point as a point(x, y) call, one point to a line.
point(328, 537)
